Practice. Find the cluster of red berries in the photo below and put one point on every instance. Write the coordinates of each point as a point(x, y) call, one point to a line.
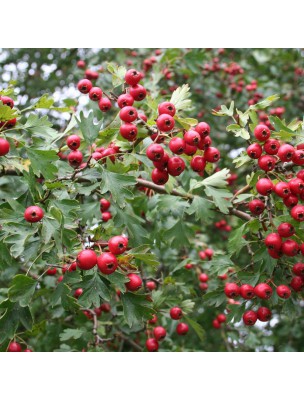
point(277, 247)
point(203, 279)
point(223, 226)
point(104, 307)
point(95, 93)
point(206, 254)
point(104, 209)
point(160, 332)
point(4, 144)
point(16, 347)
point(218, 321)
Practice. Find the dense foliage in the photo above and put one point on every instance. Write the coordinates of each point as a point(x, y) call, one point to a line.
point(185, 230)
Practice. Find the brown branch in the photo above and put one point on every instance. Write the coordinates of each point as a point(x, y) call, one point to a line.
point(130, 341)
point(242, 190)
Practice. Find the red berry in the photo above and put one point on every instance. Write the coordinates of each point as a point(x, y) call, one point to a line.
point(73, 142)
point(190, 150)
point(128, 114)
point(298, 157)
point(166, 108)
point(221, 318)
point(263, 290)
point(203, 277)
point(159, 177)
point(250, 317)
point(297, 283)
point(232, 290)
point(51, 271)
point(78, 292)
point(104, 205)
point(151, 285)
point(203, 129)
point(271, 146)
point(81, 64)
point(296, 186)
point(177, 145)
point(165, 123)
point(104, 104)
point(189, 266)
point(106, 307)
point(75, 158)
point(203, 286)
point(286, 152)
point(162, 164)
point(118, 244)
point(135, 282)
point(286, 230)
point(264, 314)
point(216, 324)
point(138, 92)
point(152, 345)
point(4, 147)
point(176, 166)
point(291, 201)
point(202, 255)
point(254, 150)
point(212, 154)
point(283, 291)
point(7, 101)
point(155, 152)
point(107, 263)
point(298, 269)
point(247, 291)
point(153, 320)
point(33, 214)
point(92, 75)
point(128, 131)
point(256, 206)
point(264, 186)
point(72, 267)
point(125, 100)
point(105, 216)
point(274, 253)
point(198, 163)
point(86, 259)
point(159, 333)
point(95, 93)
point(297, 213)
point(84, 86)
point(182, 328)
point(273, 241)
point(14, 347)
point(192, 138)
point(132, 77)
point(176, 313)
point(267, 163)
point(282, 189)
point(261, 132)
point(300, 174)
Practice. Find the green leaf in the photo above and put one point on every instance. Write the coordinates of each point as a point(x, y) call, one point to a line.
point(180, 98)
point(40, 127)
point(220, 197)
point(42, 162)
point(69, 333)
point(241, 160)
point(94, 289)
point(118, 280)
point(198, 329)
point(117, 185)
point(137, 309)
point(118, 73)
point(108, 134)
point(186, 123)
point(13, 316)
point(215, 298)
point(179, 234)
point(236, 241)
point(264, 103)
point(225, 111)
point(202, 209)
point(218, 180)
point(22, 289)
point(141, 253)
point(89, 129)
point(7, 113)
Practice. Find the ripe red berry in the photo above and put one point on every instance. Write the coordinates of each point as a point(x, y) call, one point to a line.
point(106, 307)
point(155, 152)
point(10, 124)
point(192, 138)
point(107, 263)
point(84, 86)
point(51, 271)
point(264, 314)
point(300, 174)
point(297, 213)
point(159, 333)
point(132, 77)
point(176, 313)
point(286, 152)
point(105, 216)
point(125, 100)
point(176, 166)
point(165, 123)
point(256, 206)
point(297, 283)
point(7, 101)
point(128, 114)
point(271, 146)
point(190, 150)
point(104, 205)
point(203, 286)
point(264, 186)
point(212, 154)
point(118, 244)
point(135, 282)
point(81, 64)
point(273, 241)
point(232, 290)
point(104, 104)
point(203, 129)
point(162, 164)
point(72, 267)
point(166, 108)
point(86, 259)
point(274, 253)
point(286, 230)
point(291, 201)
point(152, 344)
point(92, 75)
point(296, 186)
point(33, 214)
point(254, 150)
point(203, 277)
point(221, 318)
point(177, 145)
point(151, 285)
point(159, 177)
point(298, 269)
point(298, 157)
point(73, 142)
point(283, 291)
point(4, 147)
point(198, 163)
point(261, 132)
point(250, 317)
point(78, 292)
point(267, 163)
point(247, 291)
point(138, 92)
point(75, 158)
point(95, 93)
point(216, 324)
point(128, 131)
point(153, 320)
point(282, 189)
point(182, 328)
point(189, 266)
point(263, 291)
point(14, 347)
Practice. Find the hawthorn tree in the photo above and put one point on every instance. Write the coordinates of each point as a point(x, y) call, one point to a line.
point(156, 205)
